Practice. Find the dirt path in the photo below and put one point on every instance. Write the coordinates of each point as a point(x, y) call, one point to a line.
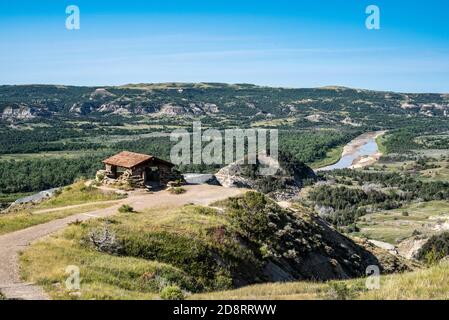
point(75, 206)
point(11, 244)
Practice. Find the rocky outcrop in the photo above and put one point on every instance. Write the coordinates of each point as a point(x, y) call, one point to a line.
point(194, 178)
point(18, 113)
point(409, 248)
point(193, 109)
point(297, 245)
point(82, 108)
point(284, 184)
point(113, 108)
point(389, 259)
point(173, 110)
point(101, 93)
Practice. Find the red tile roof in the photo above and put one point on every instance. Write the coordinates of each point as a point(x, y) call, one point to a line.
point(130, 160)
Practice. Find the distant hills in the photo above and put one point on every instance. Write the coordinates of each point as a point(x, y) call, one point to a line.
point(327, 105)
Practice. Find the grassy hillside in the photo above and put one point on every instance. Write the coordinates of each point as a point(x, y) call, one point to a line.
point(393, 226)
point(244, 240)
point(89, 199)
point(79, 193)
point(153, 249)
point(432, 283)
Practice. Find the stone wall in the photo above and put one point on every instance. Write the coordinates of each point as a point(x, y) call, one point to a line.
point(136, 177)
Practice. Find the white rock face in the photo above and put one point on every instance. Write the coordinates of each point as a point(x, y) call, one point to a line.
point(113, 108)
point(172, 110)
point(211, 108)
point(384, 245)
point(101, 93)
point(315, 118)
point(409, 248)
point(194, 178)
point(407, 105)
point(230, 177)
point(21, 113)
point(81, 108)
point(350, 122)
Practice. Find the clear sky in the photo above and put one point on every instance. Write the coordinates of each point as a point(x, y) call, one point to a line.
point(278, 43)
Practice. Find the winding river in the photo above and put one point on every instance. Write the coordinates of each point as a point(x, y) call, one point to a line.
point(360, 152)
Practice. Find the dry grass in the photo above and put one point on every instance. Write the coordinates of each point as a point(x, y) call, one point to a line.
point(79, 193)
point(428, 284)
point(190, 221)
point(103, 276)
point(58, 207)
point(17, 221)
point(271, 291)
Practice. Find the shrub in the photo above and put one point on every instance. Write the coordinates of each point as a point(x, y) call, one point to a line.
point(340, 291)
point(77, 222)
point(352, 228)
point(177, 190)
point(176, 183)
point(405, 214)
point(435, 249)
point(87, 189)
point(190, 255)
point(223, 280)
point(172, 293)
point(126, 209)
point(104, 240)
point(100, 176)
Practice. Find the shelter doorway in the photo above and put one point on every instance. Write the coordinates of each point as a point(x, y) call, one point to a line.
point(152, 176)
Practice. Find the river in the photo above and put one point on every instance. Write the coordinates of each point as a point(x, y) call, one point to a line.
point(360, 152)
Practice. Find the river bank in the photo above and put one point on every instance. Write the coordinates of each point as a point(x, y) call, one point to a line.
point(360, 152)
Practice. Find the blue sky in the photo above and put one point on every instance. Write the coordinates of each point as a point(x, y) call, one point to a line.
point(277, 43)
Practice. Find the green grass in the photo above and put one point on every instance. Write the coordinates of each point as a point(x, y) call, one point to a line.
point(392, 227)
point(179, 243)
point(380, 140)
point(11, 197)
point(126, 209)
point(88, 198)
point(177, 190)
point(169, 248)
point(43, 155)
point(332, 157)
point(79, 193)
point(103, 276)
point(438, 174)
point(11, 222)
